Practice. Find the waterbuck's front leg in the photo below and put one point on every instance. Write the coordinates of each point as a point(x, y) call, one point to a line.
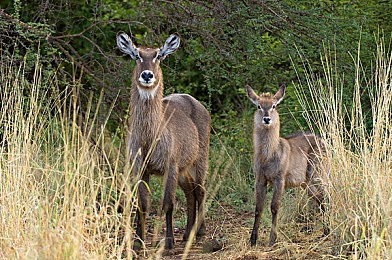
point(135, 160)
point(168, 203)
point(143, 201)
point(261, 193)
point(275, 205)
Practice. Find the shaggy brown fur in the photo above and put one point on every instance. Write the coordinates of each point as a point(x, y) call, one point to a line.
point(167, 136)
point(283, 162)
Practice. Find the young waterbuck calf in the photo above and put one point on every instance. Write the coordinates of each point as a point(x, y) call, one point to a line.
point(283, 162)
point(167, 136)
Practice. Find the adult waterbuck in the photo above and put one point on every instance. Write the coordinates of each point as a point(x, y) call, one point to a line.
point(283, 162)
point(167, 136)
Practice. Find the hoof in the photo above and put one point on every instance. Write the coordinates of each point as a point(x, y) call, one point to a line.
point(168, 252)
point(306, 229)
point(169, 243)
point(326, 231)
point(137, 245)
point(202, 231)
point(272, 242)
point(253, 240)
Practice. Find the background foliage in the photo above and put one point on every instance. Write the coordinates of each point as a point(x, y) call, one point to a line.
point(225, 44)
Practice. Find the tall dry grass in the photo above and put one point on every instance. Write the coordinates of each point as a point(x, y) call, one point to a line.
point(58, 190)
point(359, 144)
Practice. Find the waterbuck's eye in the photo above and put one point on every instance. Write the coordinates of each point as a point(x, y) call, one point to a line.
point(138, 57)
point(273, 106)
point(259, 107)
point(157, 57)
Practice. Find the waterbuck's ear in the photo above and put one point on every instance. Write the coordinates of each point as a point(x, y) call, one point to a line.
point(170, 46)
point(280, 94)
point(252, 95)
point(126, 45)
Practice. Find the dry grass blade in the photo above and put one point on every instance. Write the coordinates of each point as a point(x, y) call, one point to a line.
point(359, 152)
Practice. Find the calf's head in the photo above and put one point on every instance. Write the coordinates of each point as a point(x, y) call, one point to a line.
point(266, 105)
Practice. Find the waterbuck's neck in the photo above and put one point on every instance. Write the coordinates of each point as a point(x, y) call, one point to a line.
point(266, 139)
point(146, 114)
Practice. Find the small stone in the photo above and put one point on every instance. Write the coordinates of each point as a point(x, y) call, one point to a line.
point(212, 245)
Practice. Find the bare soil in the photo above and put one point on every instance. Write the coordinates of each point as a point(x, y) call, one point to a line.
point(230, 230)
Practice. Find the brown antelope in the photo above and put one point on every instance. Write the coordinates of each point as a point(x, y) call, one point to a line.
point(167, 136)
point(283, 162)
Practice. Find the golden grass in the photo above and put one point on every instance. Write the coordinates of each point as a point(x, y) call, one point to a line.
point(58, 191)
point(359, 152)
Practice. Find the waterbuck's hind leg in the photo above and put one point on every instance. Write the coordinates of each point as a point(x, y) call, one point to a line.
point(317, 189)
point(187, 185)
point(324, 206)
point(200, 196)
point(318, 194)
point(200, 169)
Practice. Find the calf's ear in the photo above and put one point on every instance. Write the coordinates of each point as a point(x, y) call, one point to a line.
point(252, 95)
point(280, 94)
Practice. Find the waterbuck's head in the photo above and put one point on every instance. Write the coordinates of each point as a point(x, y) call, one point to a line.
point(147, 73)
point(266, 105)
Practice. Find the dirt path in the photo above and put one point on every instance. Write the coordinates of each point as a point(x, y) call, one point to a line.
point(230, 230)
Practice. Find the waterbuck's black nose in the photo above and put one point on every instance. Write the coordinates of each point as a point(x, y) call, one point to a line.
point(147, 75)
point(267, 120)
